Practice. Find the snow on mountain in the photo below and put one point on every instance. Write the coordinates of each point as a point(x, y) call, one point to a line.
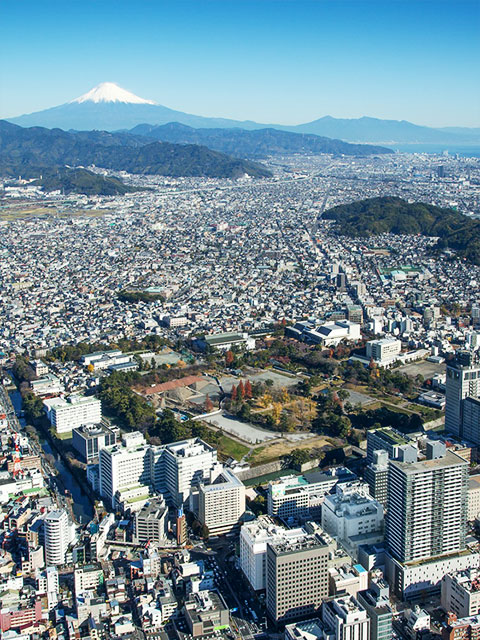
point(110, 92)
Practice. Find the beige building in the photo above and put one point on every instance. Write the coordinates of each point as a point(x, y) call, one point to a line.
point(297, 578)
point(221, 503)
point(473, 497)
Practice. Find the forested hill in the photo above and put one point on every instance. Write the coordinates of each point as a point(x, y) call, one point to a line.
point(21, 149)
point(375, 216)
point(259, 143)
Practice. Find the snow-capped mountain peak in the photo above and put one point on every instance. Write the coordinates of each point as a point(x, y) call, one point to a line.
point(111, 92)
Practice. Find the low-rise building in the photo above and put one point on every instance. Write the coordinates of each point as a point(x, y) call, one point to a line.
point(460, 592)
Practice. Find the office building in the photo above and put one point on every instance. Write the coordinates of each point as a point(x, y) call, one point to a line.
point(386, 439)
point(352, 516)
point(376, 602)
point(204, 612)
point(221, 502)
point(473, 500)
point(87, 440)
point(347, 579)
point(463, 381)
point(186, 463)
point(125, 465)
point(66, 414)
point(383, 351)
point(427, 505)
point(151, 522)
point(346, 618)
point(171, 469)
point(461, 592)
point(297, 577)
point(471, 420)
point(311, 629)
point(301, 497)
point(376, 476)
point(57, 537)
point(87, 578)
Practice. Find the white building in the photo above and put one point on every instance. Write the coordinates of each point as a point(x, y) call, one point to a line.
point(47, 584)
point(463, 380)
point(57, 537)
point(427, 505)
point(461, 592)
point(346, 618)
point(332, 333)
point(70, 413)
point(221, 503)
point(383, 351)
point(186, 463)
point(301, 497)
point(473, 510)
point(254, 537)
point(352, 516)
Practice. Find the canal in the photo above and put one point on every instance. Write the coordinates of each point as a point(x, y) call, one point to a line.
point(82, 507)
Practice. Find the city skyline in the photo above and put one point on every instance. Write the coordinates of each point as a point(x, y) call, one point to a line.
point(280, 62)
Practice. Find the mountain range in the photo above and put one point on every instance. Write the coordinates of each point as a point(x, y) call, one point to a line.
point(28, 151)
point(109, 107)
point(258, 143)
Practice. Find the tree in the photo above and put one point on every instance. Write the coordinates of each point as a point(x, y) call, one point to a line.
point(241, 390)
point(248, 390)
point(234, 393)
point(229, 358)
point(208, 404)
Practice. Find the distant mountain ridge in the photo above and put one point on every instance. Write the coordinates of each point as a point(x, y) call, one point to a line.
point(40, 147)
point(109, 107)
point(258, 143)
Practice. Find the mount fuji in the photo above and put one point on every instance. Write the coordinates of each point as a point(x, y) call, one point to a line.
point(108, 107)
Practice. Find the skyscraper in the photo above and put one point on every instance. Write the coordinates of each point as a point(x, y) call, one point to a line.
point(463, 380)
point(427, 505)
point(57, 537)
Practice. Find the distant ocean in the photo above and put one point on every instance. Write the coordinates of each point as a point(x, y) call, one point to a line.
point(468, 152)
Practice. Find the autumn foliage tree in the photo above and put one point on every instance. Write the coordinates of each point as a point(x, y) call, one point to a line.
point(248, 390)
point(241, 390)
point(234, 393)
point(208, 404)
point(229, 358)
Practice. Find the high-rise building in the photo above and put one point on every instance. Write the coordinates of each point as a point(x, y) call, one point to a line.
point(151, 522)
point(221, 503)
point(171, 469)
point(427, 500)
point(89, 439)
point(70, 413)
point(57, 537)
point(297, 577)
point(376, 476)
point(387, 439)
point(376, 602)
point(463, 381)
point(346, 617)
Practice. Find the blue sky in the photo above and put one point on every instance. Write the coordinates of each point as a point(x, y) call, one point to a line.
point(273, 61)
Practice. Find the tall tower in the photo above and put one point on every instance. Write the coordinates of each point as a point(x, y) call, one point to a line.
point(463, 379)
point(427, 505)
point(57, 537)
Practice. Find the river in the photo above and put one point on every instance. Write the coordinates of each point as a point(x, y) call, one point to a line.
point(82, 507)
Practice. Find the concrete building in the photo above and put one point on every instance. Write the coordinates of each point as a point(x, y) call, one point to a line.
point(386, 439)
point(427, 505)
point(346, 618)
point(297, 577)
point(204, 612)
point(376, 476)
point(463, 380)
point(89, 439)
point(221, 503)
point(471, 420)
point(87, 578)
point(57, 537)
point(352, 516)
point(311, 629)
point(473, 499)
point(460, 592)
point(347, 579)
point(301, 497)
point(66, 414)
point(151, 522)
point(383, 351)
point(376, 602)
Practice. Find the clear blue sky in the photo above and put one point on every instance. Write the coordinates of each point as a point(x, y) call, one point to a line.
point(273, 61)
